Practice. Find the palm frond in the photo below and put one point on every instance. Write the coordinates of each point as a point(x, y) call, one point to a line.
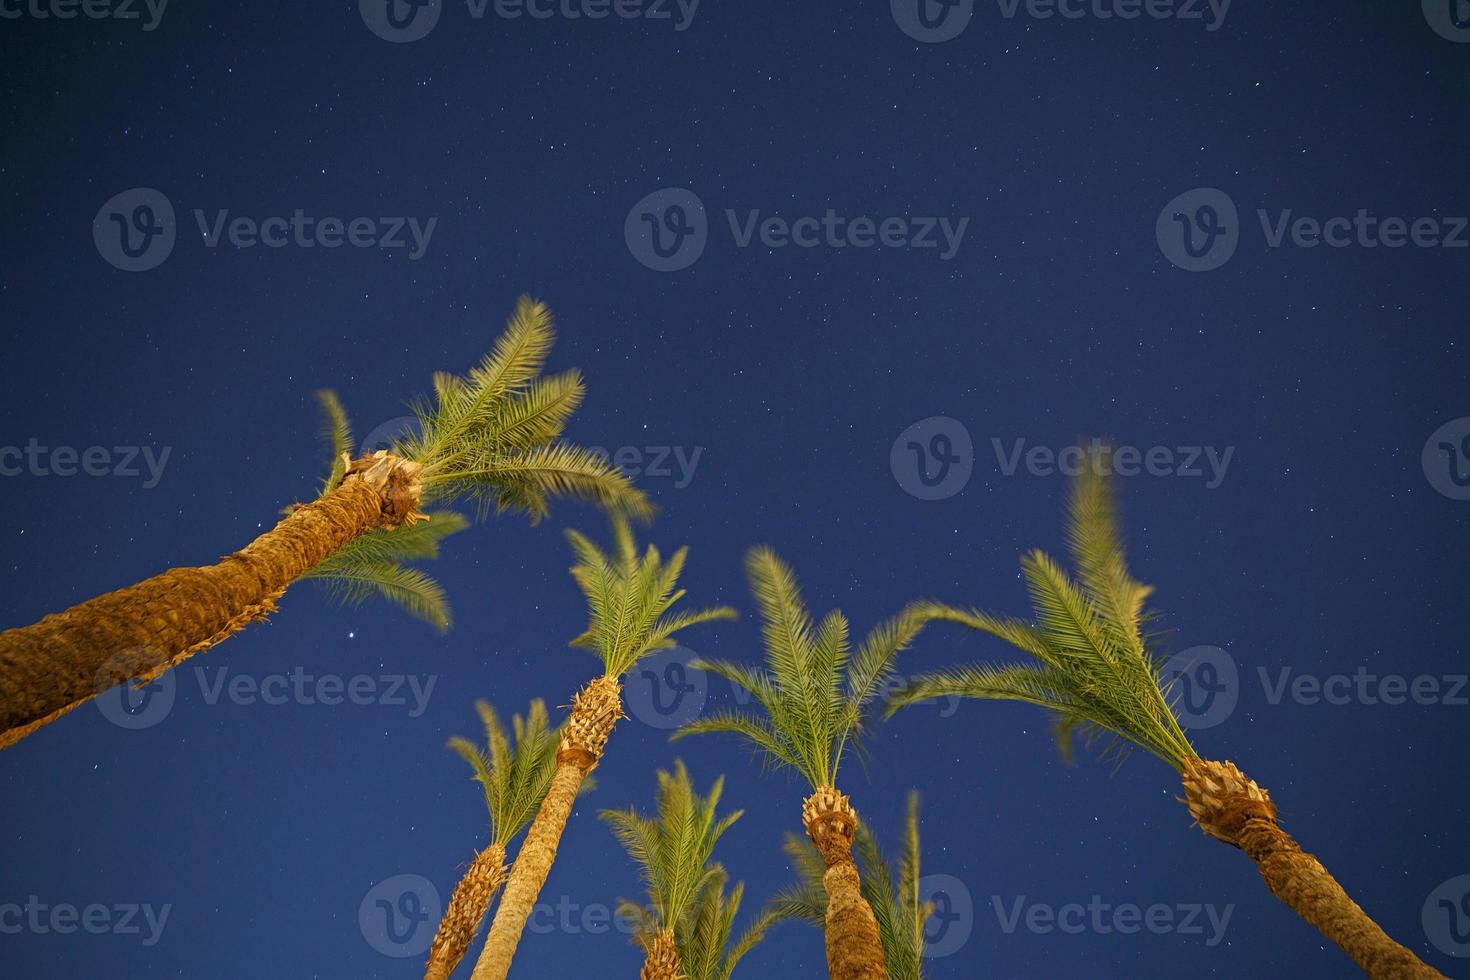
point(337, 434)
point(631, 599)
point(1095, 667)
point(514, 769)
point(492, 436)
point(812, 691)
point(673, 846)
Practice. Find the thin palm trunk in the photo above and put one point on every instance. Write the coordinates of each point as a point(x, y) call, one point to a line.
point(595, 710)
point(854, 946)
point(140, 631)
point(1233, 808)
point(466, 911)
point(661, 959)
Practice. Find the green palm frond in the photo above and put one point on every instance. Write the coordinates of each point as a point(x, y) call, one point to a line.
point(630, 598)
point(813, 689)
point(673, 847)
point(493, 436)
point(705, 946)
point(337, 434)
point(1094, 666)
point(371, 565)
point(890, 888)
point(514, 769)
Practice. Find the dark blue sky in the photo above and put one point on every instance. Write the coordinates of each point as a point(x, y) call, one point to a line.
point(1325, 549)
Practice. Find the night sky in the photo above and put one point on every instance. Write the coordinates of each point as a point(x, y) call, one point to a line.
point(1067, 304)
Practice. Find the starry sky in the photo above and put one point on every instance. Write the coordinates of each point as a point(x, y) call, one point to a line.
point(791, 380)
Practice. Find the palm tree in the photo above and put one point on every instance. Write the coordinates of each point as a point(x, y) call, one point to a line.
point(813, 692)
point(706, 948)
point(514, 774)
point(891, 889)
point(1095, 667)
point(630, 598)
point(673, 849)
point(491, 437)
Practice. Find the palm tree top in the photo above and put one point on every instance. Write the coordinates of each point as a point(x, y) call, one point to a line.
point(812, 692)
point(514, 769)
point(631, 597)
point(1093, 663)
point(493, 435)
point(672, 849)
point(891, 888)
point(374, 563)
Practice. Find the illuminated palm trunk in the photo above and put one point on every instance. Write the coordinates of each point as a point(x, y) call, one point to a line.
point(854, 947)
point(661, 959)
point(595, 710)
point(1234, 809)
point(139, 632)
point(466, 910)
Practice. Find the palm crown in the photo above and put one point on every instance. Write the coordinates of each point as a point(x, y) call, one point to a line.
point(890, 888)
point(492, 435)
point(630, 597)
point(672, 848)
point(513, 772)
point(373, 563)
point(814, 687)
point(686, 891)
point(1094, 666)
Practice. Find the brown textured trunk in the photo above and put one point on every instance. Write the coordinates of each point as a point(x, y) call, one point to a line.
point(661, 960)
point(1234, 809)
point(854, 947)
point(465, 912)
point(138, 632)
point(595, 710)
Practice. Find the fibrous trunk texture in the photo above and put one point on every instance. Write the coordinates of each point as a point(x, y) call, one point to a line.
point(1234, 809)
point(854, 948)
point(138, 632)
point(465, 912)
point(661, 960)
point(595, 710)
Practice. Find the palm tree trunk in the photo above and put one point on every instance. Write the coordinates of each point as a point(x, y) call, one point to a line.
point(595, 710)
point(466, 910)
point(1233, 808)
point(140, 631)
point(854, 948)
point(661, 959)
